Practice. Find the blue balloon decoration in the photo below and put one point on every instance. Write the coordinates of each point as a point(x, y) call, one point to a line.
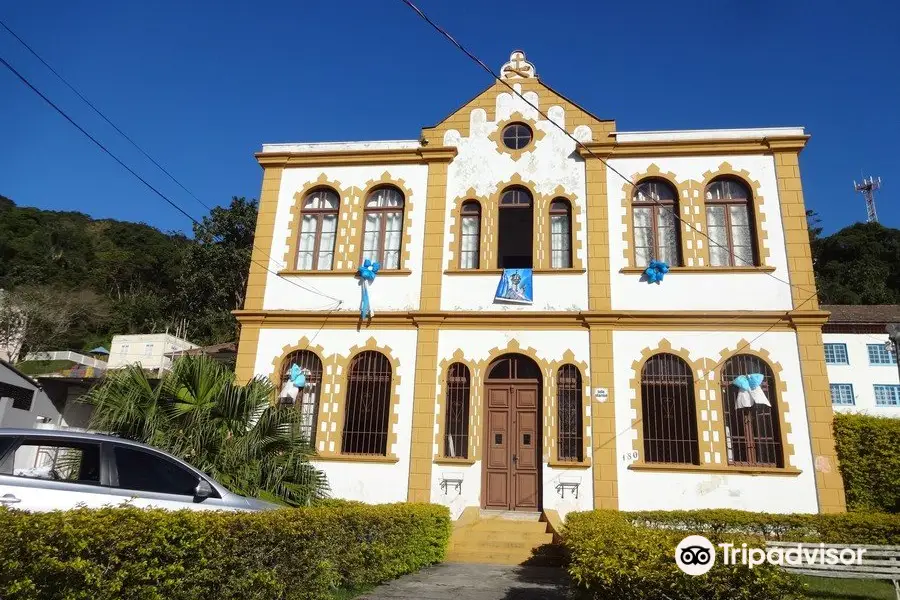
point(366, 272)
point(656, 271)
point(298, 377)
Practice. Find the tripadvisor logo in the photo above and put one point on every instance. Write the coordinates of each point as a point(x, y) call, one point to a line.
point(696, 555)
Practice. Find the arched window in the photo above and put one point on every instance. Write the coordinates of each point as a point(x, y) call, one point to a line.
point(368, 404)
point(470, 235)
point(570, 441)
point(654, 210)
point(317, 230)
point(307, 398)
point(383, 227)
point(456, 424)
point(516, 231)
point(669, 412)
point(752, 434)
point(729, 224)
point(560, 234)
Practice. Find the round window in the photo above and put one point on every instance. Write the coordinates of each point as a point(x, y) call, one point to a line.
point(516, 136)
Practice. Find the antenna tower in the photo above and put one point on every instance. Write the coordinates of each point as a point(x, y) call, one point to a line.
point(867, 188)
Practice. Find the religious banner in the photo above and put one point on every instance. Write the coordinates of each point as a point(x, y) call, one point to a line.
point(515, 286)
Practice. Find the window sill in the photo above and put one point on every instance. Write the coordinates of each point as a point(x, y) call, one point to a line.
point(725, 470)
point(344, 272)
point(499, 271)
point(365, 458)
point(708, 269)
point(454, 461)
point(569, 464)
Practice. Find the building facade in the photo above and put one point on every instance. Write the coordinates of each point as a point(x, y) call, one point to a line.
point(152, 351)
point(862, 365)
point(605, 390)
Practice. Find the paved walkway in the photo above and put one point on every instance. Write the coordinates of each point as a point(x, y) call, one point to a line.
point(456, 581)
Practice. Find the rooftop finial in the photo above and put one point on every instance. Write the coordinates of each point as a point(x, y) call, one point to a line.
point(517, 67)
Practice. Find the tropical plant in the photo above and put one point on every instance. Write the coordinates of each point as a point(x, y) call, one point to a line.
point(199, 413)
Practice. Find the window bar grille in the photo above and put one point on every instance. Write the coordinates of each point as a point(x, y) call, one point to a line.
point(368, 405)
point(308, 397)
point(752, 434)
point(456, 440)
point(568, 402)
point(669, 411)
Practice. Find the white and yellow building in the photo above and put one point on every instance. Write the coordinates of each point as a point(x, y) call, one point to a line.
point(607, 391)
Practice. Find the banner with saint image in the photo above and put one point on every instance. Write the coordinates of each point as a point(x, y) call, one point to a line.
point(515, 286)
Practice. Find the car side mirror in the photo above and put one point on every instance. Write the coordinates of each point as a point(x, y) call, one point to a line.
point(203, 490)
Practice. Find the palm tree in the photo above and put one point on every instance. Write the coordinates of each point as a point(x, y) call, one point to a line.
point(235, 433)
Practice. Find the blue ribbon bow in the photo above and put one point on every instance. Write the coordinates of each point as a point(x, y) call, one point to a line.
point(655, 271)
point(748, 382)
point(366, 272)
point(297, 377)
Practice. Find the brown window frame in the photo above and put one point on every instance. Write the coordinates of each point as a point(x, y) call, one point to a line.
point(664, 441)
point(570, 414)
point(369, 374)
point(656, 205)
point(566, 212)
point(382, 232)
point(306, 359)
point(747, 202)
point(516, 136)
point(463, 215)
point(745, 446)
point(516, 205)
point(319, 214)
point(456, 423)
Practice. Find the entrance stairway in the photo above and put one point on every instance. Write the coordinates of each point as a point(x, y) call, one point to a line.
point(503, 538)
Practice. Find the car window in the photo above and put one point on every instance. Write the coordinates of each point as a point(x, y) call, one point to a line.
point(144, 472)
point(55, 460)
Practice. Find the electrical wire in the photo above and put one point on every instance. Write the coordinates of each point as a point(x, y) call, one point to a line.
point(578, 142)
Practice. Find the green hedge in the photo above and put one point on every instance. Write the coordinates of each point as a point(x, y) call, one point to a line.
point(867, 450)
point(610, 558)
point(292, 554)
point(847, 528)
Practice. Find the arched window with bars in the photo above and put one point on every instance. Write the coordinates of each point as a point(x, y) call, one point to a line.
point(669, 411)
point(319, 216)
point(560, 234)
point(383, 232)
point(752, 433)
point(654, 211)
point(368, 404)
point(456, 423)
point(470, 235)
point(306, 399)
point(570, 439)
point(729, 223)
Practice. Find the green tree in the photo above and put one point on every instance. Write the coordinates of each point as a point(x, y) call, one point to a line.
point(232, 432)
point(214, 279)
point(859, 265)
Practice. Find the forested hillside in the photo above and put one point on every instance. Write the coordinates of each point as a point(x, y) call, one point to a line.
point(77, 280)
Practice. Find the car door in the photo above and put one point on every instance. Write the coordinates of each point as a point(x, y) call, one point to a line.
point(44, 474)
point(146, 479)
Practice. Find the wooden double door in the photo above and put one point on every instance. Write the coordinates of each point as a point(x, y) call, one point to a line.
point(512, 453)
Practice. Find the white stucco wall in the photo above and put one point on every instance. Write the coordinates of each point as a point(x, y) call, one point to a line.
point(148, 350)
point(393, 292)
point(365, 481)
point(641, 490)
point(481, 166)
point(476, 346)
point(700, 291)
point(860, 374)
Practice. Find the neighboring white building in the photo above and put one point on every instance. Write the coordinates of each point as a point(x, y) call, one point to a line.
point(152, 351)
point(606, 391)
point(862, 369)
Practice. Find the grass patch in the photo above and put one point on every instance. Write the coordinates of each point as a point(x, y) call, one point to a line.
point(43, 367)
point(350, 593)
point(828, 588)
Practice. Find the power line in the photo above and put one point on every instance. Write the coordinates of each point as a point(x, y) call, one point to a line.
point(134, 173)
point(578, 142)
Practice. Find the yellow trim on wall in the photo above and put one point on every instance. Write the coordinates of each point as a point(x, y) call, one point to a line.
point(551, 424)
point(294, 223)
point(496, 136)
point(475, 398)
point(358, 221)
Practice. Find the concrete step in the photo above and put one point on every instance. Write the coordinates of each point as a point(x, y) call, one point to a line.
point(510, 515)
point(518, 537)
point(503, 544)
point(504, 525)
point(488, 558)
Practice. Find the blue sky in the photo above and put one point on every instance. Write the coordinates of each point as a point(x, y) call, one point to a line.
point(201, 85)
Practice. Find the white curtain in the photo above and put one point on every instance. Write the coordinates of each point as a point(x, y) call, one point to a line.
point(326, 242)
point(371, 249)
point(642, 218)
point(667, 244)
point(307, 242)
point(719, 256)
point(560, 240)
point(392, 235)
point(740, 235)
point(470, 234)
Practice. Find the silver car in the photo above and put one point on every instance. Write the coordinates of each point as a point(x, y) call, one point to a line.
point(43, 470)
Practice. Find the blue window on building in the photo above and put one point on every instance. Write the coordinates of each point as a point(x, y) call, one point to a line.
point(880, 355)
point(887, 395)
point(842, 394)
point(836, 354)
